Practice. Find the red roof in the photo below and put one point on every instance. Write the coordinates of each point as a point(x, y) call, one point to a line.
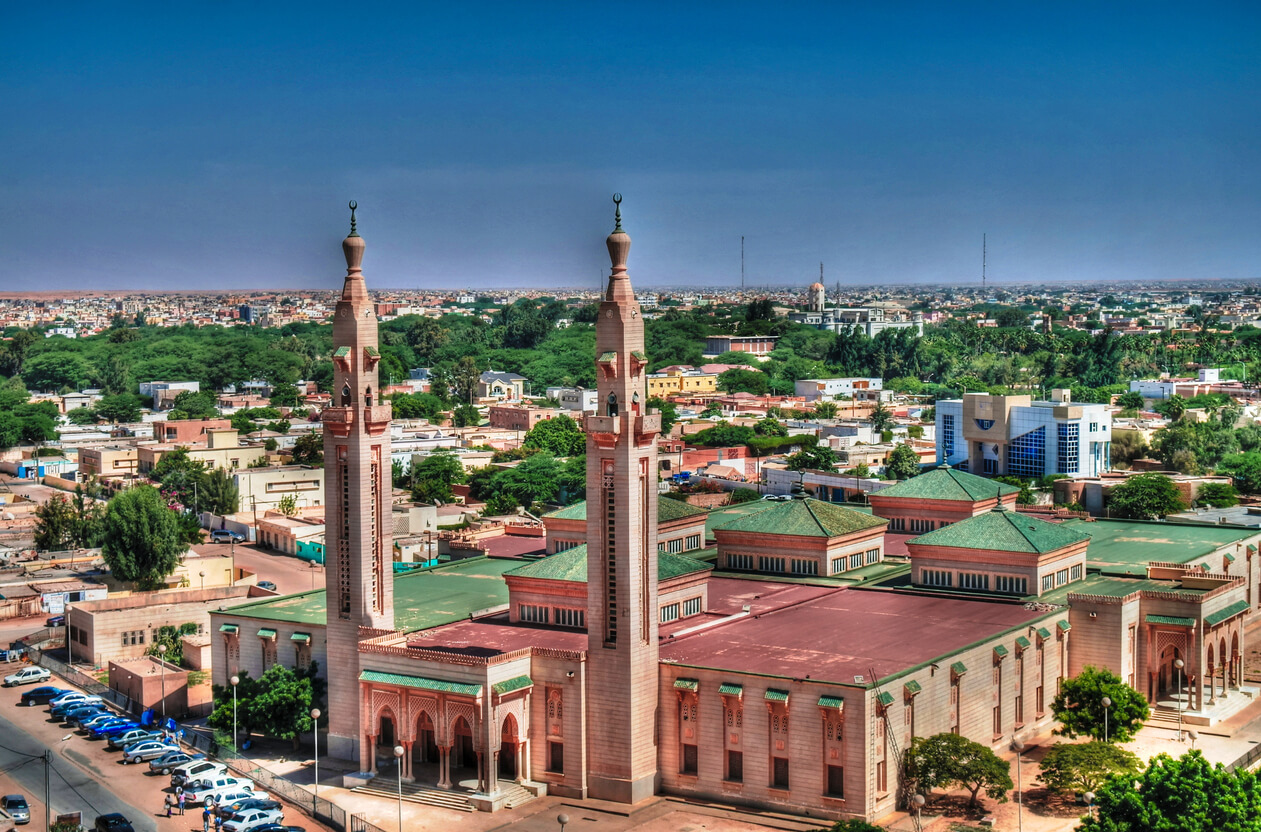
point(491, 636)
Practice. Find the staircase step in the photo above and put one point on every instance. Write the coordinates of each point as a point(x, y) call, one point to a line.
point(423, 795)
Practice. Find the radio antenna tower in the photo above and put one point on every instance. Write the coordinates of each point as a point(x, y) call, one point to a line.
point(983, 292)
point(742, 264)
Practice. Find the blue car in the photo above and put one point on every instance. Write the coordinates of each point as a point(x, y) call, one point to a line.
point(40, 695)
point(69, 706)
point(87, 723)
point(111, 728)
point(78, 712)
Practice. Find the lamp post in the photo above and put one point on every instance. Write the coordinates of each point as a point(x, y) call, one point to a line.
point(1179, 664)
point(1018, 747)
point(918, 802)
point(235, 680)
point(1194, 736)
point(562, 819)
point(398, 757)
point(315, 717)
point(203, 579)
point(162, 669)
point(1107, 703)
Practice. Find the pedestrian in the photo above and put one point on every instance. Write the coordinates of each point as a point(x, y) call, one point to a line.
point(181, 798)
point(218, 821)
point(168, 801)
point(205, 818)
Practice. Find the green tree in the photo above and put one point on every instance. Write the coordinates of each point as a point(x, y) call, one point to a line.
point(1217, 495)
point(560, 436)
point(417, 406)
point(434, 475)
point(1079, 706)
point(1174, 408)
point(1025, 497)
point(1145, 497)
point(69, 522)
point(288, 505)
point(945, 760)
point(1184, 795)
point(82, 416)
point(825, 410)
point(669, 413)
point(219, 493)
point(123, 407)
point(1130, 401)
point(466, 415)
point(903, 463)
point(278, 704)
point(53, 371)
point(860, 470)
point(817, 458)
point(743, 381)
point(190, 405)
point(724, 435)
point(1084, 767)
point(284, 395)
point(171, 638)
point(881, 418)
point(770, 426)
point(142, 538)
point(464, 380)
point(309, 450)
point(744, 495)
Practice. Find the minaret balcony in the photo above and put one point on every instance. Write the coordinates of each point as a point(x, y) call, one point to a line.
point(376, 418)
point(338, 420)
point(646, 427)
point(604, 430)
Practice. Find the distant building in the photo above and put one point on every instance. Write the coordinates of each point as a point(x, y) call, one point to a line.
point(813, 389)
point(870, 320)
point(752, 344)
point(680, 381)
point(577, 399)
point(493, 385)
point(163, 393)
point(1016, 436)
point(518, 417)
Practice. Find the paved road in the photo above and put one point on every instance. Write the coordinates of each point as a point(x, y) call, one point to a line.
point(289, 574)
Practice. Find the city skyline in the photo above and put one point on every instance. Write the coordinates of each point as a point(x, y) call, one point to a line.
point(162, 147)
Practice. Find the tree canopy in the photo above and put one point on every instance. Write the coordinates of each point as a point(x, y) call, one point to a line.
point(1145, 497)
point(560, 436)
point(142, 539)
point(434, 475)
point(946, 760)
point(1084, 767)
point(1080, 710)
point(903, 463)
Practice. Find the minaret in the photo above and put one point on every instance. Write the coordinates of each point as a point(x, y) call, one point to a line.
point(622, 550)
point(358, 573)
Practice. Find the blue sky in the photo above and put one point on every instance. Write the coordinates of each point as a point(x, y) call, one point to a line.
point(215, 145)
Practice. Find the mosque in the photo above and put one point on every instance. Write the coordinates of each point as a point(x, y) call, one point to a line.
point(785, 664)
point(868, 320)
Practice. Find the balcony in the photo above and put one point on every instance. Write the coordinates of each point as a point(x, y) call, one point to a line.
point(377, 418)
point(338, 420)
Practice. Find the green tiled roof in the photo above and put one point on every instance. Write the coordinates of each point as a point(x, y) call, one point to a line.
point(947, 483)
point(885, 698)
point(1044, 633)
point(1125, 547)
point(571, 565)
point(687, 684)
point(266, 632)
point(1229, 557)
point(1000, 650)
point(667, 510)
point(729, 689)
point(913, 687)
point(1224, 613)
point(509, 685)
point(832, 702)
point(304, 638)
point(341, 352)
point(606, 357)
point(421, 682)
point(1175, 620)
point(805, 518)
point(775, 695)
point(372, 352)
point(1064, 625)
point(229, 628)
point(959, 668)
point(640, 354)
point(1003, 531)
point(1023, 643)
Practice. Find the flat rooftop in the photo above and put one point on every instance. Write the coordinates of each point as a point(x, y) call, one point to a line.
point(1125, 547)
point(423, 598)
point(846, 633)
point(496, 634)
point(1115, 587)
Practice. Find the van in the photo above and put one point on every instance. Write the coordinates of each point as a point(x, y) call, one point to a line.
point(199, 770)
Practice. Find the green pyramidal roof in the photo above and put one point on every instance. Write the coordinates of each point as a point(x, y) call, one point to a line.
point(667, 510)
point(947, 483)
point(571, 565)
point(1003, 531)
point(804, 518)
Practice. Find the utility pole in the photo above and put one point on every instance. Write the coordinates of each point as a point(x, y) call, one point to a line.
point(48, 800)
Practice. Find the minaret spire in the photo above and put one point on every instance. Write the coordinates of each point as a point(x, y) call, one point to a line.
point(618, 243)
point(353, 247)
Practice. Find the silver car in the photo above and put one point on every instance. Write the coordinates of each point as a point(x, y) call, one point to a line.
point(15, 806)
point(147, 749)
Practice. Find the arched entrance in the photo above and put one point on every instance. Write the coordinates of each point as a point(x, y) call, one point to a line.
point(462, 754)
point(509, 744)
point(1169, 675)
point(387, 735)
point(425, 749)
point(1235, 662)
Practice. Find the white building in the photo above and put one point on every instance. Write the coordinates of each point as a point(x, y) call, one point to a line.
point(1016, 436)
point(578, 399)
point(814, 389)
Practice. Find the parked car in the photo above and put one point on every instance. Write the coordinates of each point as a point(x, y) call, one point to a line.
point(27, 676)
point(84, 712)
point(126, 738)
point(109, 729)
point(197, 792)
point(88, 722)
point(66, 697)
point(40, 695)
point(168, 762)
point(253, 819)
point(227, 810)
point(113, 822)
point(226, 536)
point(196, 770)
point(13, 654)
point(64, 708)
point(268, 585)
point(147, 749)
point(55, 621)
point(277, 827)
point(15, 806)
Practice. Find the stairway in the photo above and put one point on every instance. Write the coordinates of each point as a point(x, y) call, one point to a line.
point(516, 793)
point(418, 793)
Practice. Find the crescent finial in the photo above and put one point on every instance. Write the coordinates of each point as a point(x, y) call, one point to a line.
point(617, 215)
point(353, 206)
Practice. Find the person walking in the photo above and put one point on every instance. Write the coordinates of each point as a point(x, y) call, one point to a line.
point(181, 797)
point(168, 801)
point(205, 818)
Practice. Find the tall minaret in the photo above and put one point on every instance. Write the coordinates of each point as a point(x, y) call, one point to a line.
point(622, 550)
point(358, 573)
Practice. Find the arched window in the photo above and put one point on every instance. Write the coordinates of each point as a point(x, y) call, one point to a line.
point(346, 401)
point(367, 396)
point(612, 405)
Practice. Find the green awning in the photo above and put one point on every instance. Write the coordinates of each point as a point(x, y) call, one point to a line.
point(885, 698)
point(1023, 643)
point(607, 357)
point(1213, 619)
point(421, 682)
point(1000, 651)
point(1204, 565)
point(834, 702)
point(266, 632)
point(1171, 620)
point(639, 355)
point(372, 352)
point(341, 352)
point(232, 629)
point(1044, 633)
point(730, 689)
point(912, 687)
point(303, 638)
point(1064, 625)
point(687, 684)
point(509, 685)
point(774, 695)
point(1229, 557)
point(959, 668)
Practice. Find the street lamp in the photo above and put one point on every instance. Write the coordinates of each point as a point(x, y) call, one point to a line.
point(1194, 736)
point(203, 579)
point(1179, 664)
point(315, 716)
point(235, 680)
point(562, 819)
point(1018, 747)
point(1107, 703)
point(918, 802)
point(398, 756)
point(162, 668)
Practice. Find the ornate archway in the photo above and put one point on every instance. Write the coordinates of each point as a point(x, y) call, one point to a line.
point(425, 748)
point(509, 749)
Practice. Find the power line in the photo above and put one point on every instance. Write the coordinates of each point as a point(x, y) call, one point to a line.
point(73, 789)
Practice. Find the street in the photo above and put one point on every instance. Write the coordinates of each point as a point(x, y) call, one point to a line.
point(289, 574)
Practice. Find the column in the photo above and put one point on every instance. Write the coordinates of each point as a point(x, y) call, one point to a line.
point(371, 742)
point(444, 766)
point(406, 761)
point(493, 773)
point(523, 761)
point(1212, 685)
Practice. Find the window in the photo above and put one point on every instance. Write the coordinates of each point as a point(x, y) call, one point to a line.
point(780, 773)
point(570, 618)
point(897, 524)
point(1094, 427)
point(947, 435)
point(1026, 454)
point(803, 566)
point(556, 757)
point(998, 720)
point(670, 612)
point(922, 525)
point(532, 613)
point(1069, 450)
point(836, 781)
point(1061, 577)
point(1074, 573)
point(990, 466)
point(735, 766)
point(1011, 584)
point(672, 546)
point(855, 560)
point(689, 760)
point(974, 580)
point(984, 424)
point(770, 564)
point(882, 777)
point(740, 562)
point(873, 555)
point(693, 542)
point(936, 577)
point(838, 564)
point(1048, 582)
point(692, 606)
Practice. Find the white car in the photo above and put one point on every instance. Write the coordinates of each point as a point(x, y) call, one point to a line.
point(226, 797)
point(197, 792)
point(197, 770)
point(28, 675)
point(252, 819)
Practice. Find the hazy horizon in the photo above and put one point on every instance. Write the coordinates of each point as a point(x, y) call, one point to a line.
point(155, 147)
